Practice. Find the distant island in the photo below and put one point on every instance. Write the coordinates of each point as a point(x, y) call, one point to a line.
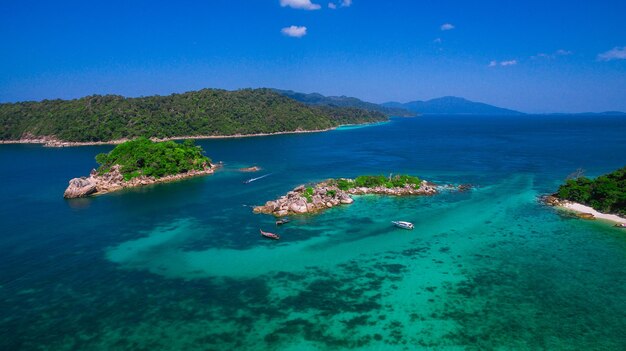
point(602, 197)
point(141, 162)
point(451, 105)
point(334, 192)
point(204, 113)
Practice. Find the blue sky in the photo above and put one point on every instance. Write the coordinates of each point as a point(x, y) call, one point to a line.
point(535, 56)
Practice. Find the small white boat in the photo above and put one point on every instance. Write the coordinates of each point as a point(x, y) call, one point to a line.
point(621, 225)
point(403, 224)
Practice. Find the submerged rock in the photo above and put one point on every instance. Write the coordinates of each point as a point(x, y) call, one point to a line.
point(465, 187)
point(588, 216)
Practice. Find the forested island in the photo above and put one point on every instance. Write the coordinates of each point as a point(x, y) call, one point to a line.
point(141, 162)
point(203, 113)
point(605, 194)
point(333, 192)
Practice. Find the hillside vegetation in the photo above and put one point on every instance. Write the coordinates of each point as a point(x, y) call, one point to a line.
point(606, 193)
point(345, 101)
point(205, 112)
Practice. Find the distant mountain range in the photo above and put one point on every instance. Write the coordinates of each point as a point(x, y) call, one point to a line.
point(450, 105)
point(345, 101)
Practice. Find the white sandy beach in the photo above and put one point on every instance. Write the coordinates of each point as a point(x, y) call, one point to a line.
point(580, 208)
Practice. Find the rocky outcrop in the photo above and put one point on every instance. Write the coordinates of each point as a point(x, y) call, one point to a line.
point(551, 200)
point(80, 187)
point(554, 201)
point(113, 180)
point(250, 169)
point(324, 195)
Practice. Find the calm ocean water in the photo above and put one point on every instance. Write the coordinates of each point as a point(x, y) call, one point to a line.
point(181, 265)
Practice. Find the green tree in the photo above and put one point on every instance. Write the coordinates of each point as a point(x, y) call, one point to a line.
point(606, 193)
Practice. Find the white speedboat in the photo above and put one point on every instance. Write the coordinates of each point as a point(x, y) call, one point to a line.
point(403, 224)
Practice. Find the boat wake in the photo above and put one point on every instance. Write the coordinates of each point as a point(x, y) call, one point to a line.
point(255, 179)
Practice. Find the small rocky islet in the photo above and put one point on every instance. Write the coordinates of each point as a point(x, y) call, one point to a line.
point(113, 180)
point(141, 162)
point(335, 192)
point(250, 169)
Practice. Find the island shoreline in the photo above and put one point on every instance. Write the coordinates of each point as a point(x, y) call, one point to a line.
point(51, 141)
point(581, 209)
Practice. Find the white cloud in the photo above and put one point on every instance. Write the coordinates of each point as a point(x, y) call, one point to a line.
point(617, 53)
point(508, 63)
point(437, 40)
point(294, 31)
point(342, 3)
point(447, 26)
point(553, 55)
point(300, 4)
point(503, 63)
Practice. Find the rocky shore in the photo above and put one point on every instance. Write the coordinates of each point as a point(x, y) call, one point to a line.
point(113, 180)
point(554, 201)
point(326, 194)
point(53, 141)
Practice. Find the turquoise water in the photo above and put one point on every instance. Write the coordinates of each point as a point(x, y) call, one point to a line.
point(182, 266)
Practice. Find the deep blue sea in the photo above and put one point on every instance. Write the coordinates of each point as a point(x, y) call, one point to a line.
point(181, 266)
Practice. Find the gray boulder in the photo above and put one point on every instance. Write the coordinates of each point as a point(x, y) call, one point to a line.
point(80, 187)
point(345, 199)
point(298, 206)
